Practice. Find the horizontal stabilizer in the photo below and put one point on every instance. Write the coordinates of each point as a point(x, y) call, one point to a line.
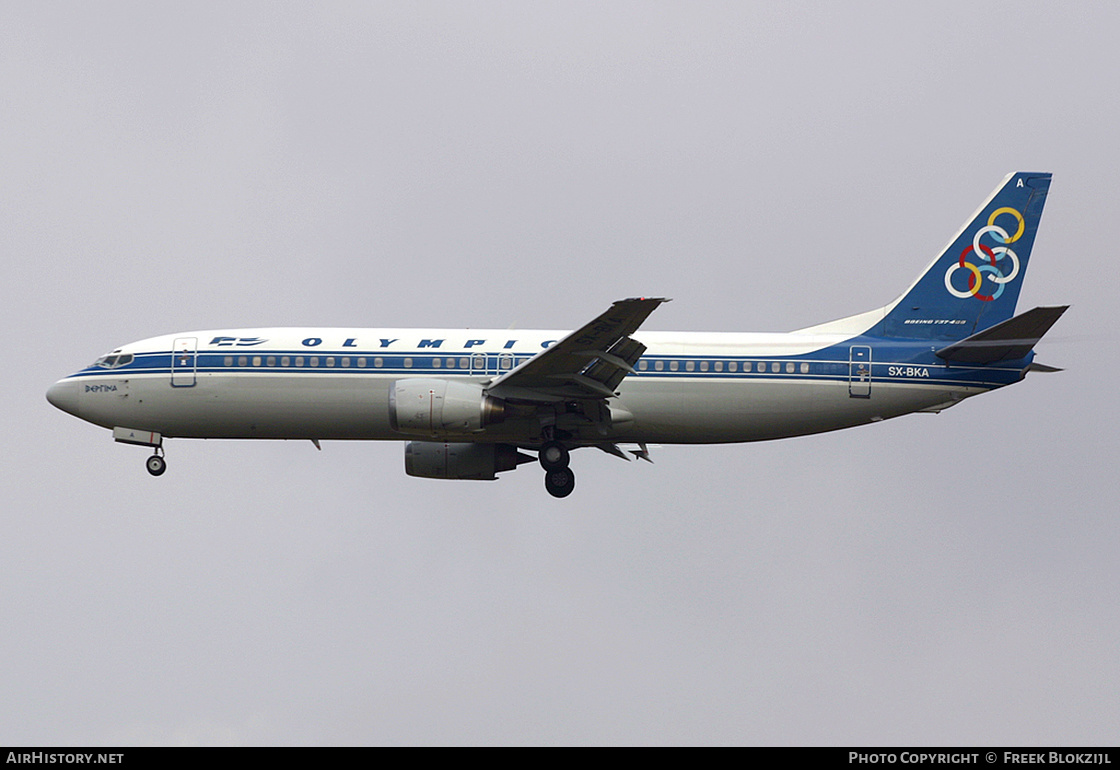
point(1037, 367)
point(1007, 341)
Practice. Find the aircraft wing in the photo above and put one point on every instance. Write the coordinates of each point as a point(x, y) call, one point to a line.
point(587, 364)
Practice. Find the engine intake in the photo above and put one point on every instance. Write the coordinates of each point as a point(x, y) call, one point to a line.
point(432, 407)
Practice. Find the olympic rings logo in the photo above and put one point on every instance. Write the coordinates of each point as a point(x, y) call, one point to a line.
point(989, 258)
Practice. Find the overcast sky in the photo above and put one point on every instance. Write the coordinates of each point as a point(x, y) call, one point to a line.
point(931, 580)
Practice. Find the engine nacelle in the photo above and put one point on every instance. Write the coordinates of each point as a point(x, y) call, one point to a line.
point(480, 462)
point(431, 407)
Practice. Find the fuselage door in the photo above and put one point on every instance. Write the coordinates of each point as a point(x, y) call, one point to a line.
point(859, 372)
point(184, 362)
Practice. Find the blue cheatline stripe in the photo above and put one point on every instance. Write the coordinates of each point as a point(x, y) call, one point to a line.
point(820, 370)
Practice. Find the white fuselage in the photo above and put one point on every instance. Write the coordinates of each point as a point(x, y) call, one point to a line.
point(334, 384)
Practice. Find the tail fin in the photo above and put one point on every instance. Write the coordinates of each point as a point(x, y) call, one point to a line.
point(974, 283)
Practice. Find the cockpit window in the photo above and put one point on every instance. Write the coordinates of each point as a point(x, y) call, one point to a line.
point(114, 360)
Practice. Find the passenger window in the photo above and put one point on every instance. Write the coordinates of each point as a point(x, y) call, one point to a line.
point(346, 362)
point(379, 362)
point(690, 366)
point(703, 366)
point(674, 365)
point(804, 368)
point(243, 360)
point(272, 360)
point(733, 367)
point(408, 363)
point(314, 361)
point(299, 360)
point(229, 361)
point(435, 363)
point(256, 360)
point(659, 366)
point(747, 366)
point(362, 363)
point(286, 361)
point(789, 368)
point(719, 366)
point(643, 365)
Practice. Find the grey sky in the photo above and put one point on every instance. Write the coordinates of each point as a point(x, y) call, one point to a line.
point(930, 580)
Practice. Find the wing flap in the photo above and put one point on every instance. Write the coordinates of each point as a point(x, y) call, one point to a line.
point(588, 363)
point(611, 366)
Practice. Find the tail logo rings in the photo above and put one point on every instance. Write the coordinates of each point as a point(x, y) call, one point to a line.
point(997, 260)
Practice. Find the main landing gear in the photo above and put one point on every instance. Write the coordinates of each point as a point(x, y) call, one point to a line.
point(558, 477)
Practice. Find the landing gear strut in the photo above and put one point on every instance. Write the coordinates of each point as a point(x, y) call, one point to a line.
point(558, 477)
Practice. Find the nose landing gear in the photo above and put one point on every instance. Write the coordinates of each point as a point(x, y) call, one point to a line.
point(155, 464)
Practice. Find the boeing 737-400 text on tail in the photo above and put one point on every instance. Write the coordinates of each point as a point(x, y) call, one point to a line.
point(472, 402)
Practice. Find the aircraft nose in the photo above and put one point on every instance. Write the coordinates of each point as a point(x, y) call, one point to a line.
point(64, 395)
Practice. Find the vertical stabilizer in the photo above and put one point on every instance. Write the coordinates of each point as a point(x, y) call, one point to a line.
point(974, 283)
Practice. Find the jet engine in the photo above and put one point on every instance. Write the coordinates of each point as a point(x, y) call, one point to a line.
point(481, 462)
point(434, 407)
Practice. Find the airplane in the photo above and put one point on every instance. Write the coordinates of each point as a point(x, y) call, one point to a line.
point(472, 403)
